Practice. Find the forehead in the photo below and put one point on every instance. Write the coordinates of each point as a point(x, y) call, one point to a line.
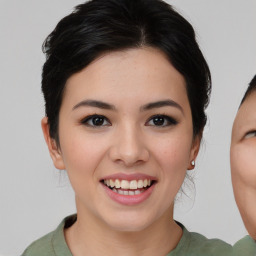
point(143, 73)
point(248, 108)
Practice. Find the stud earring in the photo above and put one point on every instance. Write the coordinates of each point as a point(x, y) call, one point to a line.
point(192, 165)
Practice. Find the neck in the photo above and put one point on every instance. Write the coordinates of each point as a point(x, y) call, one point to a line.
point(89, 237)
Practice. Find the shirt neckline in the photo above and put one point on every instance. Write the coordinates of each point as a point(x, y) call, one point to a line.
point(61, 248)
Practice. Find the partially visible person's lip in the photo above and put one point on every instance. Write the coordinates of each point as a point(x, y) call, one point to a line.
point(129, 189)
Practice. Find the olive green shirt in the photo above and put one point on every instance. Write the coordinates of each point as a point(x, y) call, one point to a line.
point(245, 247)
point(191, 244)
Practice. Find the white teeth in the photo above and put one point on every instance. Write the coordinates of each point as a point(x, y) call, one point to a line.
point(133, 184)
point(140, 184)
point(125, 184)
point(131, 193)
point(119, 191)
point(112, 183)
point(117, 184)
point(137, 192)
point(128, 192)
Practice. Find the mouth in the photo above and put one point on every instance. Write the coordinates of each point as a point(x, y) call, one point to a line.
point(128, 187)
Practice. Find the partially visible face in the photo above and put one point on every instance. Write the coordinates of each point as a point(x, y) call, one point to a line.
point(126, 138)
point(243, 162)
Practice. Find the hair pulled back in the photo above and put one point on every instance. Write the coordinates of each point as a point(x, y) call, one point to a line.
point(101, 26)
point(251, 88)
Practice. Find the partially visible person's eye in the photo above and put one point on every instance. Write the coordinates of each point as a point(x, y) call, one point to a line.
point(96, 121)
point(161, 121)
point(250, 134)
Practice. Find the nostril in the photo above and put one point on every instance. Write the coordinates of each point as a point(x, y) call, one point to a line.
point(129, 151)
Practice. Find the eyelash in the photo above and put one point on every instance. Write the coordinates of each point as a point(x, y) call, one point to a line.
point(90, 118)
point(163, 119)
point(250, 134)
point(168, 121)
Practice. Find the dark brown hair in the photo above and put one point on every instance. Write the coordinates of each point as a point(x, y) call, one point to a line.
point(100, 26)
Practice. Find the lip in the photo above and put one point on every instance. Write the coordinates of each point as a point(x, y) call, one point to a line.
point(129, 200)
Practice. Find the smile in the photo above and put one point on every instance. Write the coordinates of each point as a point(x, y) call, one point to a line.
point(129, 189)
point(126, 187)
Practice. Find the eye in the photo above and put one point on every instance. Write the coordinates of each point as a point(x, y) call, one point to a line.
point(161, 121)
point(250, 134)
point(96, 121)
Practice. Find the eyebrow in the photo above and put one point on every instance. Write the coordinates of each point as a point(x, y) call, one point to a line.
point(151, 105)
point(94, 103)
point(162, 103)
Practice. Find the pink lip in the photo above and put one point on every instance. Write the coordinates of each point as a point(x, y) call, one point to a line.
point(129, 177)
point(129, 199)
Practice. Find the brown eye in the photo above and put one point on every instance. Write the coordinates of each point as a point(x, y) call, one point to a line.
point(158, 120)
point(96, 121)
point(161, 121)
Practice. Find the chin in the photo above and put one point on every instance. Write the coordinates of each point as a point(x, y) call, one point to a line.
point(129, 223)
point(128, 227)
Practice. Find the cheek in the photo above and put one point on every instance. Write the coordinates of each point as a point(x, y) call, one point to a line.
point(172, 158)
point(81, 154)
point(174, 154)
point(243, 164)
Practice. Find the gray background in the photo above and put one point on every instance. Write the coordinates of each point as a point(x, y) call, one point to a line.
point(34, 197)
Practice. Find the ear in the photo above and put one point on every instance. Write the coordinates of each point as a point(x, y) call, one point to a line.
point(194, 151)
point(53, 148)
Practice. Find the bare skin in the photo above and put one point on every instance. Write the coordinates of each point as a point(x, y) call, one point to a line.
point(144, 242)
point(243, 162)
point(144, 128)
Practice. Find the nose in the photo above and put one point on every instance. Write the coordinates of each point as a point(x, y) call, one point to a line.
point(128, 147)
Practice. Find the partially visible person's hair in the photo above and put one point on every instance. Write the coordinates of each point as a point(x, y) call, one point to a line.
point(250, 89)
point(99, 26)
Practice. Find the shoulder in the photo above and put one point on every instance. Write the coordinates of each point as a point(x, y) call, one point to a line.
point(52, 244)
point(41, 247)
point(195, 244)
point(245, 246)
point(206, 246)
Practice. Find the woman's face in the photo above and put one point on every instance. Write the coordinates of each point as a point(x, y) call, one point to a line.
point(243, 162)
point(126, 138)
